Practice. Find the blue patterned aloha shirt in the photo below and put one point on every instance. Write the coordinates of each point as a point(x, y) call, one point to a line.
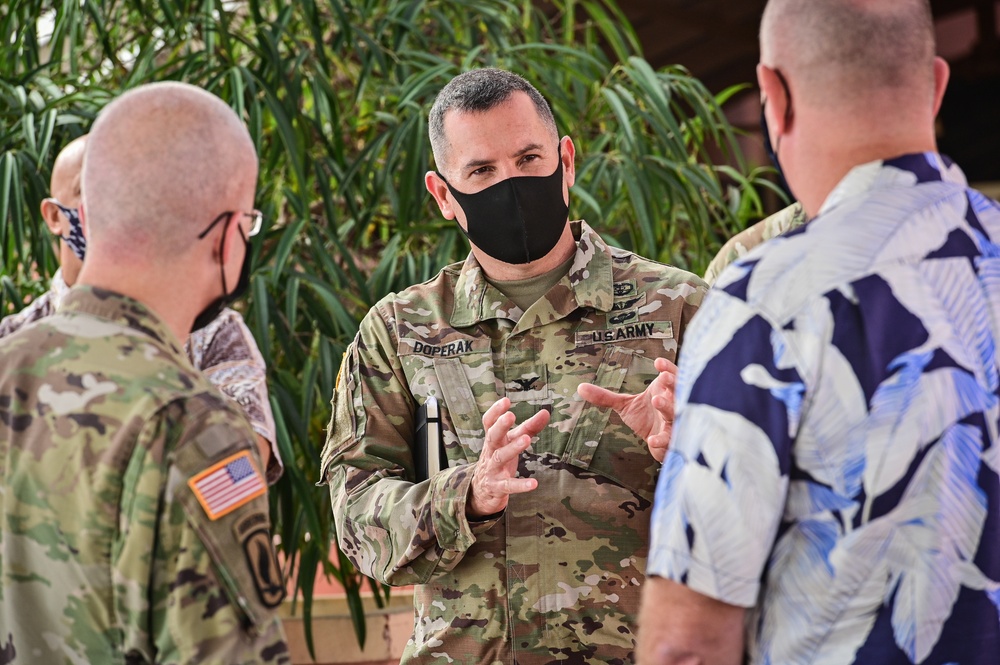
point(835, 456)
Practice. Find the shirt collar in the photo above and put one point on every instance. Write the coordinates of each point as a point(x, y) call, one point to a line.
point(905, 170)
point(588, 284)
point(58, 287)
point(120, 309)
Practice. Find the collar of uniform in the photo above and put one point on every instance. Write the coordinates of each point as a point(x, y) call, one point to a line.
point(902, 171)
point(115, 307)
point(58, 287)
point(589, 277)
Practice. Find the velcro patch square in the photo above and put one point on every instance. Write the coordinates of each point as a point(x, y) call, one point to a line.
point(224, 487)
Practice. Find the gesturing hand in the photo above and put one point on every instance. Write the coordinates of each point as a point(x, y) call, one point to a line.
point(650, 414)
point(495, 477)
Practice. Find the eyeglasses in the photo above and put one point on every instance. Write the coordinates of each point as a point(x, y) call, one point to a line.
point(256, 217)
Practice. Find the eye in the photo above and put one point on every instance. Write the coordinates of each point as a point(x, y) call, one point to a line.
point(482, 170)
point(527, 159)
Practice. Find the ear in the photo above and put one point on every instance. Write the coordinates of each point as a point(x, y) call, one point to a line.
point(51, 215)
point(568, 160)
point(439, 190)
point(773, 92)
point(942, 73)
point(230, 238)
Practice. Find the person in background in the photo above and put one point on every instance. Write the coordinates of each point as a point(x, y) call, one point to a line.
point(529, 546)
point(831, 491)
point(224, 350)
point(133, 505)
point(746, 240)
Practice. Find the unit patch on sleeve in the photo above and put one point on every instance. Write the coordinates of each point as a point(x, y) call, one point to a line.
point(255, 537)
point(224, 487)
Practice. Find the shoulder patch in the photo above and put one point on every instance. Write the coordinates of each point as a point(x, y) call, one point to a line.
point(227, 485)
point(255, 537)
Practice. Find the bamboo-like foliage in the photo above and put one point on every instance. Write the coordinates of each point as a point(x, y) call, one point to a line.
point(335, 94)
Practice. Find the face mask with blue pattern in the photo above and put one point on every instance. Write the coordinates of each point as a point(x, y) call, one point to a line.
point(76, 241)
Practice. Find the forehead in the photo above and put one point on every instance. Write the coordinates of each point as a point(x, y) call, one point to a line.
point(489, 134)
point(65, 185)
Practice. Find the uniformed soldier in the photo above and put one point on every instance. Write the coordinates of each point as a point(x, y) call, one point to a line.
point(224, 350)
point(743, 242)
point(530, 546)
point(133, 510)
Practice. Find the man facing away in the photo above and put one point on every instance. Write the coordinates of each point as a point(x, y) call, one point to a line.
point(529, 546)
point(134, 506)
point(832, 481)
point(224, 349)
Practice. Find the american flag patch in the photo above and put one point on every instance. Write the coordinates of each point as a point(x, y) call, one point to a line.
point(228, 485)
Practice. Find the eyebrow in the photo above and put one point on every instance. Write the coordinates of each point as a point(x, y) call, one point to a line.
point(476, 163)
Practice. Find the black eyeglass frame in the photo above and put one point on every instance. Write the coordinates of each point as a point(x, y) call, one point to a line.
point(258, 220)
point(256, 215)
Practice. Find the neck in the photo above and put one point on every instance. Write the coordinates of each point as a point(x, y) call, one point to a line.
point(832, 146)
point(70, 268)
point(506, 272)
point(167, 296)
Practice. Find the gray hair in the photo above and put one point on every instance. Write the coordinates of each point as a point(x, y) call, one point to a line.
point(841, 50)
point(477, 91)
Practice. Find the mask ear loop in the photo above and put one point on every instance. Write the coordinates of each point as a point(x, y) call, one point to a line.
point(788, 105)
point(222, 253)
point(773, 149)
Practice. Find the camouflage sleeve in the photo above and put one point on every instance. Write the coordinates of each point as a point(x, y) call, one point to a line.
point(227, 354)
point(194, 565)
point(691, 304)
point(394, 530)
point(39, 308)
point(744, 241)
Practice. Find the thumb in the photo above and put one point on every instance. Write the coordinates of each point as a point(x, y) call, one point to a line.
point(601, 396)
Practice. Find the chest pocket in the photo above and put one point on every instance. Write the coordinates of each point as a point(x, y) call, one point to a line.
point(463, 408)
point(601, 442)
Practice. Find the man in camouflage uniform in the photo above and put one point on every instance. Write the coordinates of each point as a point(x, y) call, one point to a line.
point(224, 350)
point(133, 509)
point(740, 244)
point(530, 546)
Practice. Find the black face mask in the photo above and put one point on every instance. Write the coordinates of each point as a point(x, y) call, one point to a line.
point(772, 153)
point(517, 220)
point(215, 307)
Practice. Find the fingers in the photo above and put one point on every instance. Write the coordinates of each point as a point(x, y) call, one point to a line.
point(601, 396)
point(658, 445)
point(495, 477)
point(500, 407)
point(533, 426)
point(664, 365)
point(516, 445)
point(508, 486)
point(664, 405)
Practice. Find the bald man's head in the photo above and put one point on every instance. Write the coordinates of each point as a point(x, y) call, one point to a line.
point(162, 162)
point(841, 52)
point(64, 186)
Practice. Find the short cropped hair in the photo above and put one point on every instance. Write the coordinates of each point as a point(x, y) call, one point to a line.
point(839, 48)
point(477, 91)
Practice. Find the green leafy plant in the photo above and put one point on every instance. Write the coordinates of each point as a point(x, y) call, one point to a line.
point(335, 94)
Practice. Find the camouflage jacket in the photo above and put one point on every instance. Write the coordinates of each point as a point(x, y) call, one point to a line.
point(133, 517)
point(740, 244)
point(557, 575)
point(224, 350)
